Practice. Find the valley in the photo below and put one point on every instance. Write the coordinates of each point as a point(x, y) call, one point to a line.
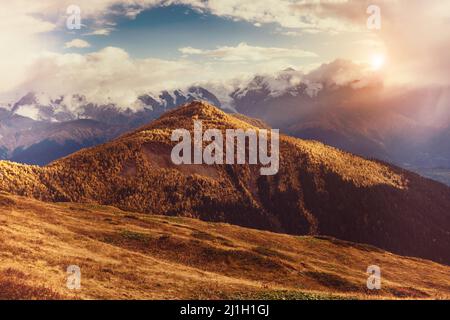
point(438, 174)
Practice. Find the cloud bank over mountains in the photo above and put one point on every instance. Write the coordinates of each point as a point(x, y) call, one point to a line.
point(111, 76)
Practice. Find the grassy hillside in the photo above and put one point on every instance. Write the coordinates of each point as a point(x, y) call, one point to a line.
point(318, 189)
point(124, 255)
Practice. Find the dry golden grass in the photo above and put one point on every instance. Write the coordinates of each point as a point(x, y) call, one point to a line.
point(124, 255)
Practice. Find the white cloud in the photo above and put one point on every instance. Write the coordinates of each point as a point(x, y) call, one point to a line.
point(111, 75)
point(286, 13)
point(77, 43)
point(18, 29)
point(100, 32)
point(104, 76)
point(343, 72)
point(190, 51)
point(245, 52)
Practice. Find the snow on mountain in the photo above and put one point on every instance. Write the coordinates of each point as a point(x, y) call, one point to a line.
point(287, 82)
point(29, 111)
point(41, 107)
point(171, 99)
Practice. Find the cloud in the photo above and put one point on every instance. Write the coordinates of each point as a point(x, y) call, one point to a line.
point(111, 75)
point(77, 43)
point(414, 35)
point(108, 75)
point(190, 51)
point(338, 73)
point(342, 72)
point(21, 22)
point(100, 32)
point(18, 30)
point(245, 52)
point(285, 13)
point(305, 14)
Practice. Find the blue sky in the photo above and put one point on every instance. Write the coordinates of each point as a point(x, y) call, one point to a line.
point(160, 32)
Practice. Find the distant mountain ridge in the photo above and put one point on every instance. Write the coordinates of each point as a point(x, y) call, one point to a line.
point(410, 128)
point(40, 107)
point(37, 129)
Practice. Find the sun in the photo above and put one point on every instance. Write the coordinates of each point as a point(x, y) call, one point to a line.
point(377, 61)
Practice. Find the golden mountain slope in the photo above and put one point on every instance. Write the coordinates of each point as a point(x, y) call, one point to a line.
point(124, 255)
point(318, 190)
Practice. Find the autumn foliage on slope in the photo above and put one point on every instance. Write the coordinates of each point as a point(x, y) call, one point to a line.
point(318, 189)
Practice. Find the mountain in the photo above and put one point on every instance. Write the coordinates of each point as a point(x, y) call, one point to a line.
point(38, 142)
point(407, 127)
point(38, 129)
point(124, 255)
point(45, 142)
point(318, 189)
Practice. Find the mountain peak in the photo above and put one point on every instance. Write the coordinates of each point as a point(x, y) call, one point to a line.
point(197, 108)
point(211, 117)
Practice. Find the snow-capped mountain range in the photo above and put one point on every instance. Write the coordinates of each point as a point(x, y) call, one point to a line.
point(41, 107)
point(38, 129)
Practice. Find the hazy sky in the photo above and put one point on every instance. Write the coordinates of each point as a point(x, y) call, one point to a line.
point(129, 46)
